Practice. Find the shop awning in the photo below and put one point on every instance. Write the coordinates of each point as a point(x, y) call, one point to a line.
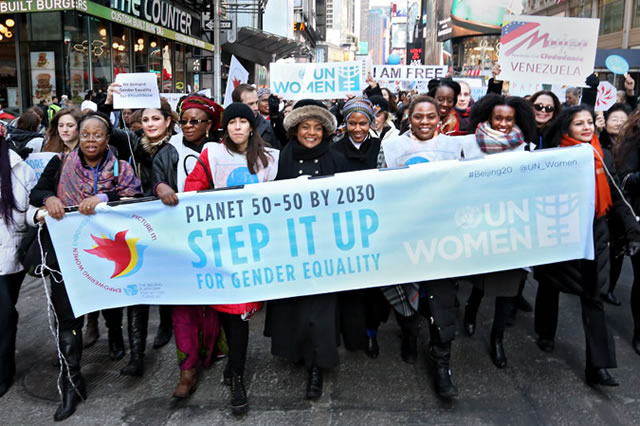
point(631, 55)
point(259, 46)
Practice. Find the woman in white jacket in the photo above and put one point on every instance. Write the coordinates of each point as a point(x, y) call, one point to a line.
point(16, 181)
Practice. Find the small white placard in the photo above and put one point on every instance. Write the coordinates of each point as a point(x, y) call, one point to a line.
point(138, 90)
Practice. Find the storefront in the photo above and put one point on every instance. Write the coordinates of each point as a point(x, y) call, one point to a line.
point(56, 47)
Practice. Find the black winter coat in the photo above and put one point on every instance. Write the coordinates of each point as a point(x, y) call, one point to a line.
point(364, 158)
point(588, 277)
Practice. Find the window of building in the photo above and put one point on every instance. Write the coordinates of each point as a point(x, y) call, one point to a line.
point(120, 42)
point(580, 8)
point(179, 75)
point(9, 93)
point(100, 53)
point(76, 68)
point(140, 51)
point(155, 58)
point(611, 13)
point(167, 66)
point(42, 27)
point(636, 15)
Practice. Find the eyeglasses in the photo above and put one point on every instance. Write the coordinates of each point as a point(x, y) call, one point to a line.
point(546, 108)
point(99, 137)
point(192, 122)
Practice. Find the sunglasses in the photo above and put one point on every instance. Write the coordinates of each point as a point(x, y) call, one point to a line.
point(548, 109)
point(192, 122)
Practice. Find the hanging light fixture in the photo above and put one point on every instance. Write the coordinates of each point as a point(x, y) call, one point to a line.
point(115, 45)
point(153, 44)
point(140, 41)
point(10, 23)
point(121, 48)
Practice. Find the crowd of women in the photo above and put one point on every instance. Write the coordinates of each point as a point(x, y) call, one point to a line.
point(196, 148)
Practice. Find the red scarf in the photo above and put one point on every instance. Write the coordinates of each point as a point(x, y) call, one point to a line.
point(603, 193)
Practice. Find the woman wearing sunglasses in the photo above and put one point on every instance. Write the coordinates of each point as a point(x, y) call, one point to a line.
point(546, 107)
point(195, 327)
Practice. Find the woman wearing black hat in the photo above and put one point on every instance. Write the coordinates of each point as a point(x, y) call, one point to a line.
point(241, 159)
point(305, 329)
point(384, 119)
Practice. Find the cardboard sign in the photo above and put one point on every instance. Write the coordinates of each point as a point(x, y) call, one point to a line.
point(547, 49)
point(606, 96)
point(138, 90)
point(408, 72)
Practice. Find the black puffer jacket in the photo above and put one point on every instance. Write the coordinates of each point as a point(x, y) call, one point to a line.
point(152, 165)
point(588, 277)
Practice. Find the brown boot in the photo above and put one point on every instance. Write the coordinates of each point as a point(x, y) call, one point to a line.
point(187, 384)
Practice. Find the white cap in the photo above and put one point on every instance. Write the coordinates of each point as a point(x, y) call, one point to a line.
point(89, 105)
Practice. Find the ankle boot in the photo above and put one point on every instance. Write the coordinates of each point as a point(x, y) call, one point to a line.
point(187, 384)
point(72, 384)
point(239, 401)
point(635, 343)
point(227, 375)
point(599, 376)
point(470, 313)
point(314, 384)
point(165, 329)
point(496, 349)
point(91, 331)
point(440, 354)
point(373, 350)
point(116, 344)
point(138, 320)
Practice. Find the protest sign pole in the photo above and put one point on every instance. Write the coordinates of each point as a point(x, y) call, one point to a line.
point(217, 68)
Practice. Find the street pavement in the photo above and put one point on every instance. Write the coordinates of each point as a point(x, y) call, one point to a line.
point(535, 389)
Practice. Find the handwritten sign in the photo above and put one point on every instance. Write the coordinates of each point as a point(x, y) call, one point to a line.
point(548, 49)
point(138, 90)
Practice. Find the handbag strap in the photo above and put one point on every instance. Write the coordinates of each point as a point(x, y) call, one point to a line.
point(205, 168)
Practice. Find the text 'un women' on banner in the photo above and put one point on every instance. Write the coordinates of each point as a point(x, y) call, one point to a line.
point(325, 80)
point(548, 49)
point(353, 230)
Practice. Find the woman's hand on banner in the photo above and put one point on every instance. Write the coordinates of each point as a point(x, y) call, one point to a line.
point(88, 205)
point(55, 207)
point(166, 194)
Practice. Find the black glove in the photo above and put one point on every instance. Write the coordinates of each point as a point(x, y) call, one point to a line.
point(632, 248)
point(274, 105)
point(592, 81)
point(24, 152)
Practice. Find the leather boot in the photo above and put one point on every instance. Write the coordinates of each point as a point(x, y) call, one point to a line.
point(314, 384)
point(470, 313)
point(227, 375)
point(599, 376)
point(187, 384)
point(138, 320)
point(440, 354)
point(239, 401)
point(72, 384)
point(373, 350)
point(496, 349)
point(91, 331)
point(116, 344)
point(165, 329)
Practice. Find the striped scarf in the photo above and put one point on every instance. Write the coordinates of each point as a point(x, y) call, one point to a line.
point(492, 141)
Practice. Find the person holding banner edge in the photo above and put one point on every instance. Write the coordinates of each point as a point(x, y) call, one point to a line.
point(436, 299)
point(586, 277)
point(241, 159)
point(305, 329)
point(85, 177)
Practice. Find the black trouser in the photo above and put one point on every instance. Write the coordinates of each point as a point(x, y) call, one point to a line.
point(64, 313)
point(504, 307)
point(376, 308)
point(600, 347)
point(439, 307)
point(616, 259)
point(9, 291)
point(635, 296)
point(237, 332)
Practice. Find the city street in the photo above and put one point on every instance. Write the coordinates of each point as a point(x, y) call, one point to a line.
point(535, 388)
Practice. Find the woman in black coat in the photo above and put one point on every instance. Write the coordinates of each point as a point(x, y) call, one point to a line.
point(305, 329)
point(586, 277)
point(628, 159)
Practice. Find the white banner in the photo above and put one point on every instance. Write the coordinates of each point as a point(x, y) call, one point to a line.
point(547, 49)
point(353, 230)
point(327, 80)
point(408, 72)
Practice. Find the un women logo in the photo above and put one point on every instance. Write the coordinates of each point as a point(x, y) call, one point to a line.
point(557, 219)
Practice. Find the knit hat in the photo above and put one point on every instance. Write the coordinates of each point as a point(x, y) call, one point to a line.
point(310, 109)
point(89, 105)
point(238, 109)
point(361, 105)
point(213, 110)
point(262, 92)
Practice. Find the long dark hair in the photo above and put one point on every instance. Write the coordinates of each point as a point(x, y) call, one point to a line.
point(629, 137)
point(393, 103)
point(55, 144)
point(481, 111)
point(561, 125)
point(8, 201)
point(255, 150)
